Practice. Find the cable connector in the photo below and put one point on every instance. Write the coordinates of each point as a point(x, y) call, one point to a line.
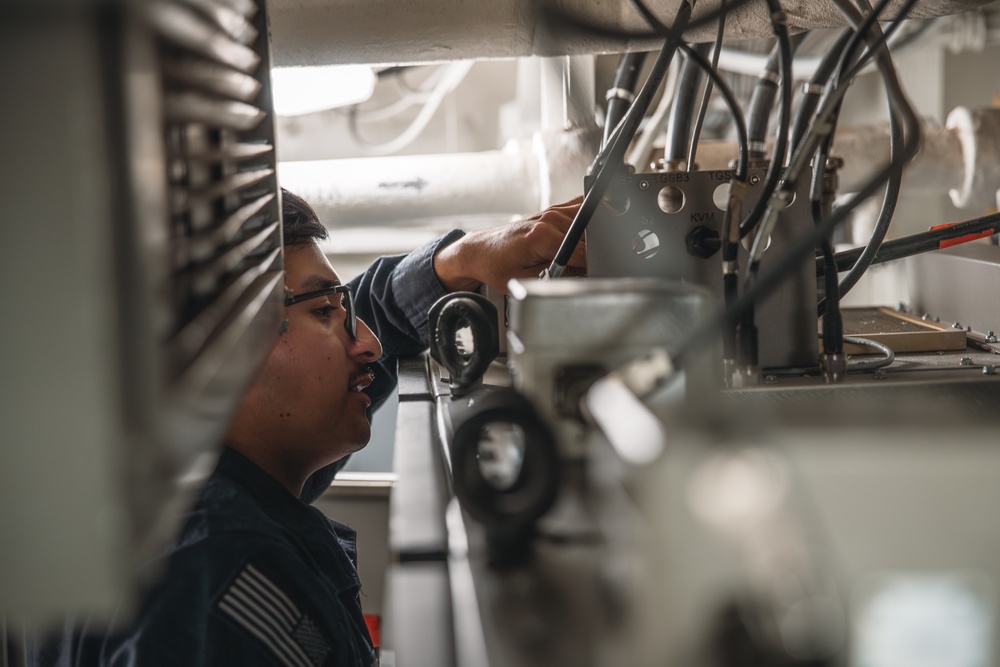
point(834, 366)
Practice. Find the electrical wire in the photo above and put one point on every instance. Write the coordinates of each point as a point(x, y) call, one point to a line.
point(692, 152)
point(679, 125)
point(822, 127)
point(558, 18)
point(741, 62)
point(938, 238)
point(611, 158)
point(774, 170)
point(889, 199)
point(803, 246)
point(813, 90)
point(449, 81)
point(622, 91)
point(651, 130)
point(874, 364)
point(555, 18)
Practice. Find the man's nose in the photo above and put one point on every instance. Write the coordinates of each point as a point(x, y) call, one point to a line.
point(366, 343)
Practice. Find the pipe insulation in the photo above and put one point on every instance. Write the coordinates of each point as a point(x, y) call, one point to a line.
point(328, 32)
point(526, 176)
point(962, 158)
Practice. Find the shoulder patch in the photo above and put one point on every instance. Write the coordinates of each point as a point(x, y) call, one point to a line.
point(260, 607)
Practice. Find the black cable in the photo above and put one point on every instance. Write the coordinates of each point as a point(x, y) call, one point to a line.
point(747, 345)
point(762, 99)
point(774, 170)
point(565, 19)
point(682, 111)
point(941, 236)
point(622, 91)
point(614, 152)
point(610, 159)
point(882, 223)
point(820, 129)
point(813, 90)
point(742, 159)
point(833, 323)
point(889, 199)
point(555, 18)
point(805, 244)
point(692, 153)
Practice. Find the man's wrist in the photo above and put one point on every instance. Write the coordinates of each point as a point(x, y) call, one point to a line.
point(453, 266)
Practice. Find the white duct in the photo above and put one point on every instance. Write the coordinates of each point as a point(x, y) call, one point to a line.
point(526, 176)
point(325, 32)
point(962, 158)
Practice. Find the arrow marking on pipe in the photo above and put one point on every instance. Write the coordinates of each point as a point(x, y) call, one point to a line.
point(417, 185)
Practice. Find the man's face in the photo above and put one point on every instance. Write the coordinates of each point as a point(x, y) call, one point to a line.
point(308, 399)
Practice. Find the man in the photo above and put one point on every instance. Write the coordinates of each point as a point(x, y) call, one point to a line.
point(258, 577)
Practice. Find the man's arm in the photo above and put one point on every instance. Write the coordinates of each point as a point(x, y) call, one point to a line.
point(521, 249)
point(394, 294)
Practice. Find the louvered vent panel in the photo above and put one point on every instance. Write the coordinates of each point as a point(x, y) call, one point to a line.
point(222, 196)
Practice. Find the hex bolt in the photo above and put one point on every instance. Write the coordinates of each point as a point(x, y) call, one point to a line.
point(956, 325)
point(989, 370)
point(880, 374)
point(991, 337)
point(925, 317)
point(770, 379)
point(754, 180)
point(966, 361)
point(900, 307)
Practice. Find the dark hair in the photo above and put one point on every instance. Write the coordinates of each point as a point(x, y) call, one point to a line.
point(301, 224)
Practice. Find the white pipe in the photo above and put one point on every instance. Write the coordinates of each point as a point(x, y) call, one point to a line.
point(962, 159)
point(526, 176)
point(314, 32)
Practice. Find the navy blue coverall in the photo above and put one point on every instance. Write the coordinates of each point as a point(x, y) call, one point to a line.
point(258, 576)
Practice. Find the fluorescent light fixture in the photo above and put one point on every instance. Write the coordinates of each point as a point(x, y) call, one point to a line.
point(301, 90)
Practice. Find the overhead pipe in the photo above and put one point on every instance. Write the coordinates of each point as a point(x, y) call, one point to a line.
point(327, 32)
point(962, 158)
point(526, 176)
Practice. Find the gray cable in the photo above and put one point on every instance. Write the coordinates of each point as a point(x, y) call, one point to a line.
point(874, 364)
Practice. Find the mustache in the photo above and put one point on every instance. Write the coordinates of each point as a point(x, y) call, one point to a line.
point(366, 372)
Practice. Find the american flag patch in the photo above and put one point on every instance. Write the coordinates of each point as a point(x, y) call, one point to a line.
point(255, 603)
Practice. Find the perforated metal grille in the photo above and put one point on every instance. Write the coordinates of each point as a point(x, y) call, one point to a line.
point(222, 190)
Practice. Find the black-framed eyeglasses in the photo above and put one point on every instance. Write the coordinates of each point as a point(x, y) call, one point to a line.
point(350, 322)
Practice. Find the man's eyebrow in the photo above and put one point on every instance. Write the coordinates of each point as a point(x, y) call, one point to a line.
point(317, 282)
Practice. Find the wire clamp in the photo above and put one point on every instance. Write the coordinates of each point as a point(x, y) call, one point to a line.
point(810, 88)
point(770, 76)
point(620, 94)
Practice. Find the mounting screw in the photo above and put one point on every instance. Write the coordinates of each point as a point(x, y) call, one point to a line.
point(989, 370)
point(991, 337)
point(643, 185)
point(966, 361)
point(880, 374)
point(754, 180)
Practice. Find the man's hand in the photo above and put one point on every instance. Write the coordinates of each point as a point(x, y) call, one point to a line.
point(520, 249)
